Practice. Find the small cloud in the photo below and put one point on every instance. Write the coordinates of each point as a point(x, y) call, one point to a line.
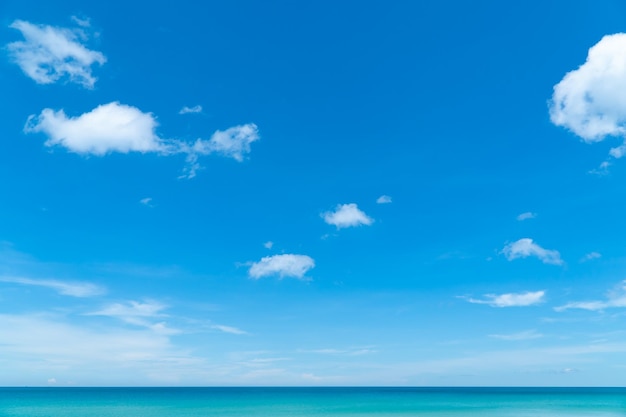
point(73, 289)
point(524, 299)
point(347, 215)
point(524, 248)
point(525, 335)
point(82, 22)
point(228, 329)
point(146, 201)
point(48, 54)
point(567, 371)
point(615, 299)
point(383, 199)
point(233, 142)
point(603, 169)
point(194, 109)
point(268, 244)
point(287, 265)
point(525, 216)
point(52, 381)
point(590, 256)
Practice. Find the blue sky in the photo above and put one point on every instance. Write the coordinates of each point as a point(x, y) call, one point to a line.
point(254, 193)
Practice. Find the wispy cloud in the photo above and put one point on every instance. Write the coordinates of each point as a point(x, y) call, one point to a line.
point(147, 201)
point(73, 289)
point(48, 54)
point(588, 101)
point(524, 248)
point(107, 354)
point(82, 22)
point(525, 335)
point(268, 244)
point(615, 299)
point(347, 215)
point(233, 142)
point(228, 329)
point(194, 109)
point(383, 199)
point(590, 256)
point(138, 314)
point(342, 352)
point(526, 216)
point(119, 128)
point(523, 299)
point(283, 266)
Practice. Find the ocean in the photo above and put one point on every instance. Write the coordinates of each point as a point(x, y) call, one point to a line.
point(311, 402)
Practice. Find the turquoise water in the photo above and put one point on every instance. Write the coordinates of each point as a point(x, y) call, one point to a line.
point(307, 402)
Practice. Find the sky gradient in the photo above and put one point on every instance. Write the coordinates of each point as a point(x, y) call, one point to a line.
point(254, 193)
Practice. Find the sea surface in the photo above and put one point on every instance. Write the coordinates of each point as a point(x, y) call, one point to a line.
point(311, 402)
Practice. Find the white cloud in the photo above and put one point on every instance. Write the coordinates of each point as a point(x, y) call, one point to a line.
point(287, 265)
point(147, 201)
point(228, 329)
point(116, 127)
point(383, 199)
point(525, 335)
point(524, 248)
point(590, 256)
point(233, 142)
point(615, 299)
point(525, 216)
point(268, 244)
point(47, 54)
point(589, 101)
point(194, 109)
point(73, 289)
point(524, 299)
point(347, 215)
point(112, 127)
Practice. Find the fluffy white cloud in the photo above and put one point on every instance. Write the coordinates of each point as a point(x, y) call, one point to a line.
point(112, 127)
point(194, 109)
point(616, 298)
point(347, 215)
point(116, 127)
point(525, 216)
point(589, 101)
point(47, 54)
point(524, 299)
point(525, 247)
point(383, 199)
point(286, 265)
point(74, 289)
